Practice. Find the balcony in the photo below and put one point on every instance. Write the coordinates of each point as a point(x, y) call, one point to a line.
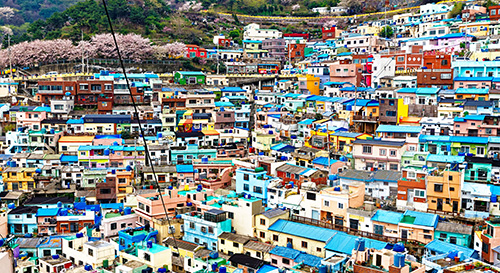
point(361, 118)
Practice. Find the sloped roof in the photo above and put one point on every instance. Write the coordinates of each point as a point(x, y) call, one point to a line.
point(302, 230)
point(387, 216)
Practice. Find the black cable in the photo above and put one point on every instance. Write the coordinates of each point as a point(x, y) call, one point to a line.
point(146, 150)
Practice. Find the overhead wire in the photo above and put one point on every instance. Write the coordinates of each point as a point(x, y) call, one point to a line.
point(141, 129)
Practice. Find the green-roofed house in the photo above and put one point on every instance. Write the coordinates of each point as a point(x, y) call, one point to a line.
point(189, 77)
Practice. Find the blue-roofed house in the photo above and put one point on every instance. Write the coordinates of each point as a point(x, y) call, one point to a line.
point(437, 248)
point(50, 245)
point(400, 132)
point(47, 220)
point(345, 244)
point(386, 222)
point(282, 151)
point(336, 166)
point(185, 173)
point(418, 226)
point(288, 257)
point(310, 239)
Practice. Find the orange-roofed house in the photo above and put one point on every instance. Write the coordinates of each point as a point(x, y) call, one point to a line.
point(69, 144)
point(411, 121)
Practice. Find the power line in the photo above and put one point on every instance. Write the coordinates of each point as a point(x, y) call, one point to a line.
point(146, 149)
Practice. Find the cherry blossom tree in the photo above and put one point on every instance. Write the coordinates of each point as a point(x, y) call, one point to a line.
point(6, 12)
point(132, 46)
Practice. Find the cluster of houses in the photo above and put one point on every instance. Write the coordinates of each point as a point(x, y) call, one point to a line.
point(367, 155)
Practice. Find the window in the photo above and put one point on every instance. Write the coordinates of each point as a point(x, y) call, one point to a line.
point(311, 196)
point(285, 261)
point(262, 234)
point(443, 235)
point(147, 257)
point(289, 240)
point(438, 187)
point(246, 177)
point(246, 187)
point(274, 261)
point(383, 152)
point(318, 249)
point(275, 237)
point(452, 189)
point(113, 226)
point(222, 241)
point(453, 240)
point(485, 247)
point(257, 189)
point(429, 237)
point(480, 151)
point(341, 206)
point(91, 252)
point(392, 152)
point(393, 167)
point(419, 193)
point(327, 203)
point(191, 225)
point(304, 244)
point(367, 149)
point(236, 244)
point(263, 222)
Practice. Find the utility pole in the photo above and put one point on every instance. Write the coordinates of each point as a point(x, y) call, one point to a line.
point(10, 59)
point(83, 50)
point(218, 56)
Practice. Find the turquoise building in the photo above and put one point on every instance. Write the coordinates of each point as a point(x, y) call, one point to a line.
point(454, 233)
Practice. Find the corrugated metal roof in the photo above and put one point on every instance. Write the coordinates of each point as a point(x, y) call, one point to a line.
point(185, 168)
point(441, 247)
point(386, 216)
point(344, 243)
point(302, 230)
point(399, 129)
point(445, 158)
point(422, 218)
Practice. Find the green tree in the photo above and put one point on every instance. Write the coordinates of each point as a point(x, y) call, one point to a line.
point(488, 4)
point(235, 33)
point(456, 10)
point(386, 32)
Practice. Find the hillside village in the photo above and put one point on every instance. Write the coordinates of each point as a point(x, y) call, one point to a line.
point(358, 152)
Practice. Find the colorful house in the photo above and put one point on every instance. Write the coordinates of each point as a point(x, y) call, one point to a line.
point(189, 77)
point(454, 233)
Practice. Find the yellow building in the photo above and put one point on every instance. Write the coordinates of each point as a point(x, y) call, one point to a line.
point(231, 243)
point(262, 142)
point(309, 84)
point(17, 178)
point(100, 128)
point(305, 155)
point(342, 141)
point(70, 144)
point(443, 191)
point(258, 250)
point(368, 30)
point(165, 231)
point(476, 28)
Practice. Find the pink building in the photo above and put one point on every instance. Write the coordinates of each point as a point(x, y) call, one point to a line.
point(150, 206)
point(47, 220)
point(449, 43)
point(473, 82)
point(107, 140)
point(114, 222)
point(336, 166)
point(345, 72)
point(32, 119)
